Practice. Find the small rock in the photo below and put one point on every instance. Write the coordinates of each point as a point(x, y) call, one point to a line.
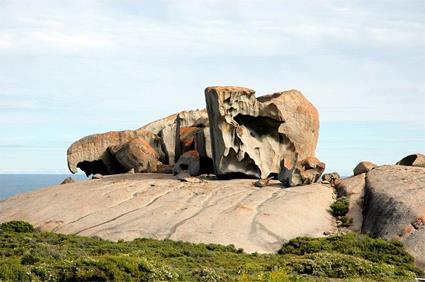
point(68, 180)
point(97, 176)
point(330, 178)
point(131, 171)
point(184, 176)
point(189, 162)
point(363, 167)
point(262, 182)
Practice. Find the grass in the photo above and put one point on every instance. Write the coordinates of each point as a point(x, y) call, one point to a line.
point(31, 255)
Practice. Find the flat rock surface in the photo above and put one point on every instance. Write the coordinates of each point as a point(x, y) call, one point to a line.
point(395, 207)
point(159, 206)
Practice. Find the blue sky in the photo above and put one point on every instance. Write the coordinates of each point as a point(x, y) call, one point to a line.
point(73, 68)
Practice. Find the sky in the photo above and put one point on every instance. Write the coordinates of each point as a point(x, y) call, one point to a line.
point(73, 68)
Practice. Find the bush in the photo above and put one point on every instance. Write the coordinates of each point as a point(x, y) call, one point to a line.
point(17, 226)
point(340, 207)
point(46, 256)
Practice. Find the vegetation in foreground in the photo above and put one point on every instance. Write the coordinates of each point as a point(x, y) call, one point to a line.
point(30, 255)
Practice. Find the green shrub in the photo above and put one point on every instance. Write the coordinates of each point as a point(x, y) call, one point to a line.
point(46, 256)
point(345, 221)
point(17, 226)
point(340, 207)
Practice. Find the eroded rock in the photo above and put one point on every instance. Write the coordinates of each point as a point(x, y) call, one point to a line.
point(189, 162)
point(331, 178)
point(413, 160)
point(253, 135)
point(136, 154)
point(91, 153)
point(305, 172)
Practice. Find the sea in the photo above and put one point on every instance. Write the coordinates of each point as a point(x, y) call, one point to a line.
point(12, 184)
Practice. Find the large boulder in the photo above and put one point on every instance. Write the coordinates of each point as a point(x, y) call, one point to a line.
point(91, 153)
point(253, 135)
point(413, 160)
point(394, 207)
point(159, 206)
point(136, 154)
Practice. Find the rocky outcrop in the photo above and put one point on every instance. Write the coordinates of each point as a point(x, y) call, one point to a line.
point(251, 136)
point(394, 207)
point(363, 167)
point(413, 160)
point(158, 206)
point(136, 154)
point(166, 129)
point(305, 172)
point(91, 154)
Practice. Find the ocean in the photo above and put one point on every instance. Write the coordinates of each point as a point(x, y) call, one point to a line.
point(12, 184)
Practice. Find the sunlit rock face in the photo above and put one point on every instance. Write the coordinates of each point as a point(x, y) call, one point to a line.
point(252, 136)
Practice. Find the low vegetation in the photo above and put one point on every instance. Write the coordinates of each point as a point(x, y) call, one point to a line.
point(31, 255)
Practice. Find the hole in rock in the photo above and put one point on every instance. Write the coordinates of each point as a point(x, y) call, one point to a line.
point(259, 126)
point(93, 167)
point(184, 166)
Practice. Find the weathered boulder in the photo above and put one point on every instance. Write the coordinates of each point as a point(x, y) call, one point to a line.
point(136, 154)
point(331, 178)
point(252, 135)
point(305, 172)
point(394, 207)
point(353, 189)
point(91, 153)
point(166, 129)
point(188, 162)
point(363, 167)
point(413, 160)
point(159, 206)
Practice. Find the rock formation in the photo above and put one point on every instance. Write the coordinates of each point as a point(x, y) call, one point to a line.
point(189, 162)
point(129, 206)
point(305, 172)
point(395, 207)
point(136, 154)
point(413, 160)
point(363, 167)
point(332, 178)
point(92, 154)
point(251, 136)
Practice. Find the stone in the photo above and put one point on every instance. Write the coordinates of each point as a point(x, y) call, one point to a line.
point(331, 178)
point(353, 188)
point(97, 176)
point(413, 160)
point(190, 162)
point(305, 172)
point(363, 167)
point(136, 154)
point(127, 206)
point(251, 136)
point(166, 129)
point(92, 155)
point(68, 180)
point(394, 207)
